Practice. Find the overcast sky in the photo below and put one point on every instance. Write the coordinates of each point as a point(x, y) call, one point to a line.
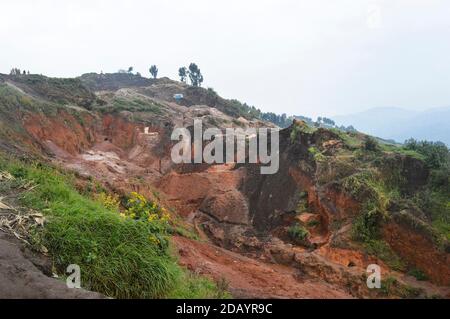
point(310, 57)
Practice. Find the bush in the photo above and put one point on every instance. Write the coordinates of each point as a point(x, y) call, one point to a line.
point(418, 274)
point(367, 186)
point(366, 226)
point(111, 202)
point(437, 154)
point(298, 233)
point(303, 205)
point(440, 178)
point(371, 145)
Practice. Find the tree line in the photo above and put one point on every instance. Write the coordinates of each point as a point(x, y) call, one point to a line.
point(194, 75)
point(191, 73)
point(16, 71)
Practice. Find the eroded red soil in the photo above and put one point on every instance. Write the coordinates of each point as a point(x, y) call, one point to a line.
point(250, 278)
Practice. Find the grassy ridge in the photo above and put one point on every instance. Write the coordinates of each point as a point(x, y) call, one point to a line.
point(116, 255)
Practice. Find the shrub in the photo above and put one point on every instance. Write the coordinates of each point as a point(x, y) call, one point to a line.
point(437, 206)
point(437, 154)
point(317, 155)
point(302, 205)
point(139, 208)
point(367, 186)
point(418, 274)
point(371, 145)
point(298, 233)
point(366, 226)
point(111, 202)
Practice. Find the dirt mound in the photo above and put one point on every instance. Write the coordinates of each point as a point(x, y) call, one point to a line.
point(21, 279)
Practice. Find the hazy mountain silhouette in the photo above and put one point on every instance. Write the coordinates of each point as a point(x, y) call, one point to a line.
point(400, 124)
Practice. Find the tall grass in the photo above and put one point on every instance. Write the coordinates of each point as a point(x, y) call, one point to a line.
point(116, 255)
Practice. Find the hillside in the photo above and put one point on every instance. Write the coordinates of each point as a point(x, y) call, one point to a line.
point(91, 156)
point(399, 124)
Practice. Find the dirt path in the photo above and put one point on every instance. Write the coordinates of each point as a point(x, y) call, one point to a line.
point(249, 278)
point(21, 279)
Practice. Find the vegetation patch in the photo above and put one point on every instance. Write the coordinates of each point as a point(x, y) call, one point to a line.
point(366, 226)
point(382, 250)
point(302, 205)
point(300, 128)
point(435, 198)
point(391, 286)
point(316, 154)
point(59, 90)
point(313, 223)
point(298, 234)
point(418, 274)
point(371, 144)
point(121, 256)
point(12, 100)
point(368, 186)
point(133, 105)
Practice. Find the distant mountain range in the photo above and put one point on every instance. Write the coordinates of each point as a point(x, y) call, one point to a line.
point(399, 124)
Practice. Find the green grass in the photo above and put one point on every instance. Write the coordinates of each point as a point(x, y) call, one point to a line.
point(375, 197)
point(116, 255)
point(195, 286)
point(368, 186)
point(391, 148)
point(133, 105)
point(317, 155)
point(12, 100)
point(365, 227)
point(350, 139)
point(298, 233)
point(382, 250)
point(438, 204)
point(300, 128)
point(392, 287)
point(58, 90)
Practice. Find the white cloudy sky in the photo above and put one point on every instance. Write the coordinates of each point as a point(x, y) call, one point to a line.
point(311, 57)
